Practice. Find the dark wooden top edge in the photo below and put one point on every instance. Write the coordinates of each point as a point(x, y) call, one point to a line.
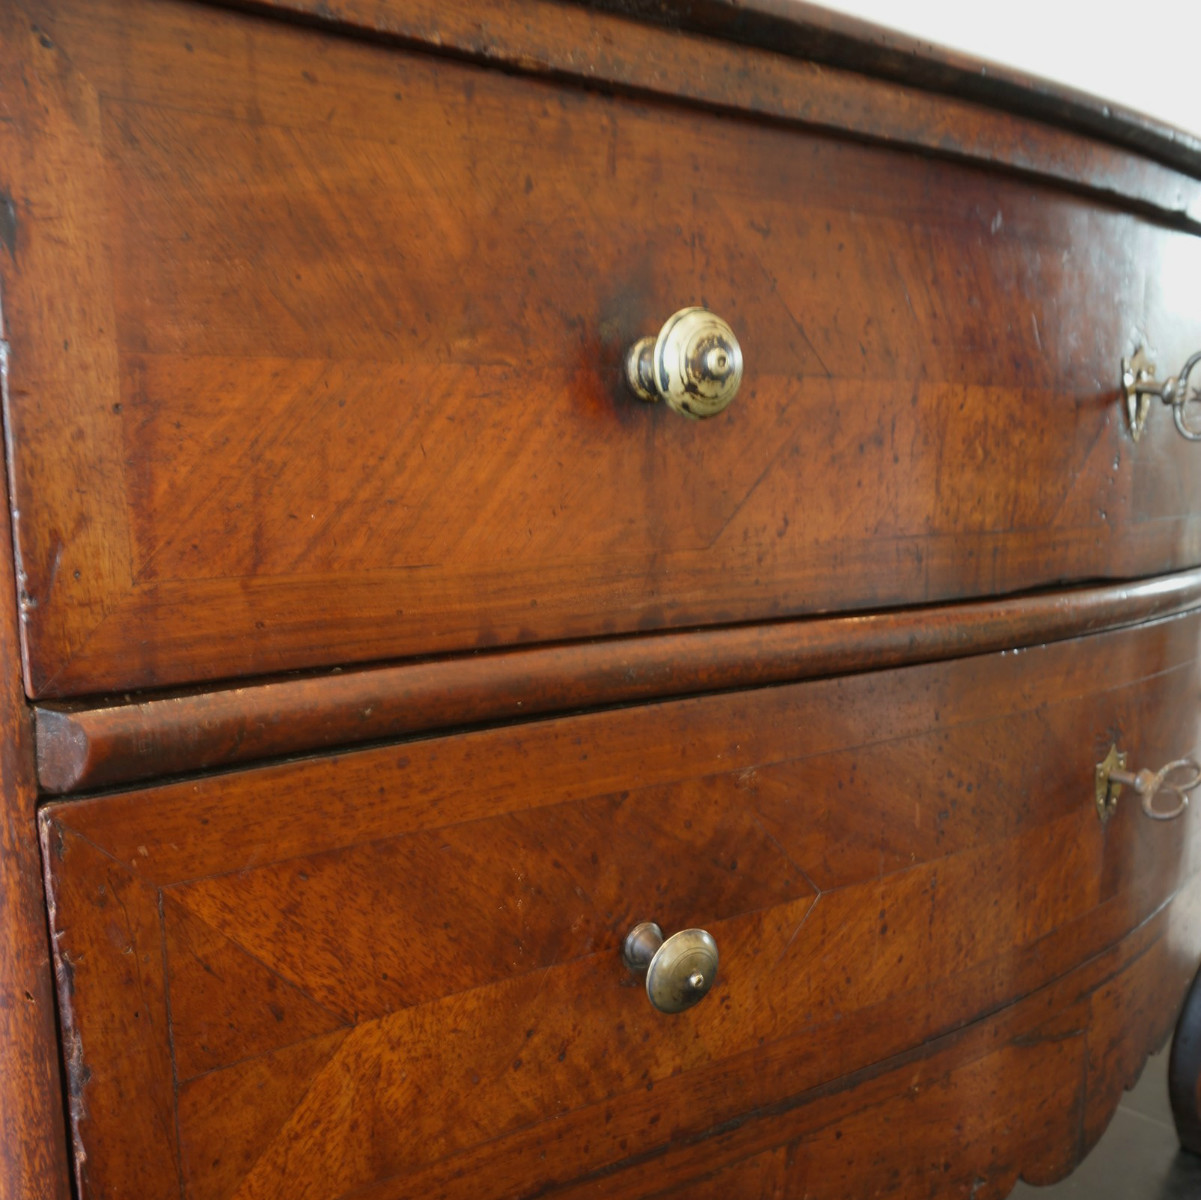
point(789, 28)
point(810, 68)
point(82, 748)
point(804, 30)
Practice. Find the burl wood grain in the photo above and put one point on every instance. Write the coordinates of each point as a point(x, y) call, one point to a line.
point(315, 360)
point(397, 972)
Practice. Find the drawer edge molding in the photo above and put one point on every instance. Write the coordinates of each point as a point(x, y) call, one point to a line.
point(802, 30)
point(81, 748)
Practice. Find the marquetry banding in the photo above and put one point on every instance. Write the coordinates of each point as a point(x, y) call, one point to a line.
point(81, 748)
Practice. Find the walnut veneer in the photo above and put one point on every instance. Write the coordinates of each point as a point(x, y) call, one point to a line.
point(387, 660)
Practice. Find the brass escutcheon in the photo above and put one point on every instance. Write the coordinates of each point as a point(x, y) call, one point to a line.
point(1139, 386)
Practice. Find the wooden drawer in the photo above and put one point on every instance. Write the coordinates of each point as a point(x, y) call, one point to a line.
point(397, 972)
point(318, 362)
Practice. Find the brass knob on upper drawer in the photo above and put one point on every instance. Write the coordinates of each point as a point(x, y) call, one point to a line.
point(1140, 385)
point(679, 971)
point(695, 364)
point(1112, 776)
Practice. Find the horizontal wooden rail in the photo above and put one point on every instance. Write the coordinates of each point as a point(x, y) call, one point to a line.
point(114, 743)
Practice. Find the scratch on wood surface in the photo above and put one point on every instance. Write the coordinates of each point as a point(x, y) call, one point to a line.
point(799, 926)
point(8, 224)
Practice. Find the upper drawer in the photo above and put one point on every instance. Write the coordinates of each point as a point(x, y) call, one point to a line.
point(315, 358)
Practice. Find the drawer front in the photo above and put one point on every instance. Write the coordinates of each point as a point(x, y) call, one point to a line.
point(320, 361)
point(398, 972)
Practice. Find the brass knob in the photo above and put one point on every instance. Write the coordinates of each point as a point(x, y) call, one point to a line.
point(1139, 385)
point(679, 971)
point(695, 364)
point(1111, 776)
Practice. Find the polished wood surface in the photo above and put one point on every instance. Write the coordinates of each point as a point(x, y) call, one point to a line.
point(326, 372)
point(397, 972)
point(34, 1158)
point(818, 34)
point(1000, 1100)
point(836, 76)
point(119, 741)
point(314, 319)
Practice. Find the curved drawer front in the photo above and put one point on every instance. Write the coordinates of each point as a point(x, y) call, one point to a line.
point(322, 362)
point(399, 972)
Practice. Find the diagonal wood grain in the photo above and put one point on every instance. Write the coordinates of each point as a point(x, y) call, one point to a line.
point(60, 321)
point(223, 1000)
point(516, 894)
point(351, 385)
point(265, 1090)
point(460, 903)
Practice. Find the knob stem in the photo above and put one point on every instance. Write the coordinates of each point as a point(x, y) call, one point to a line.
point(642, 942)
point(640, 370)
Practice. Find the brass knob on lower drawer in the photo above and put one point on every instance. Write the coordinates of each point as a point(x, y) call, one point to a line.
point(694, 365)
point(679, 971)
point(1112, 776)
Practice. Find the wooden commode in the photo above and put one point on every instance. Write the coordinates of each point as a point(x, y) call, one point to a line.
point(436, 763)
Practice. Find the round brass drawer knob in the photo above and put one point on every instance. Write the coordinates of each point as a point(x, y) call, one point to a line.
point(679, 971)
point(694, 365)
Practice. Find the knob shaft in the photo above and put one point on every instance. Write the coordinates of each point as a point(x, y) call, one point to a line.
point(694, 365)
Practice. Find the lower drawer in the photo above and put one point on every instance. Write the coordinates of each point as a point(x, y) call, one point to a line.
point(397, 972)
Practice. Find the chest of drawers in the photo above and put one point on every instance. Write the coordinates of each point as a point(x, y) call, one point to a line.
point(381, 661)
